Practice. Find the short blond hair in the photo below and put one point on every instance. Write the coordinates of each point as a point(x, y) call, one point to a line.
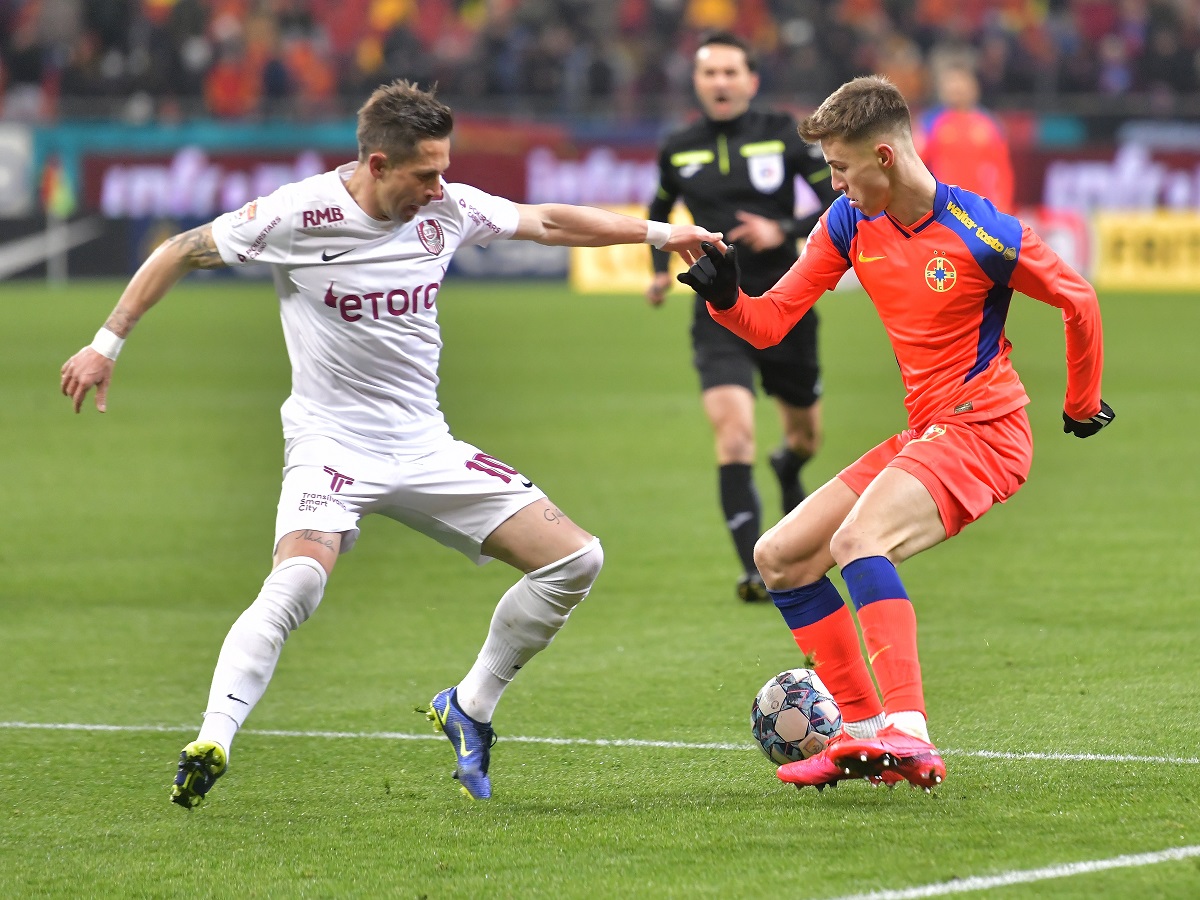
point(862, 108)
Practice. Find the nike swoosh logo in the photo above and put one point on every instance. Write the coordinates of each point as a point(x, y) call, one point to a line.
point(739, 520)
point(862, 258)
point(439, 715)
point(237, 699)
point(329, 257)
point(25, 253)
point(874, 656)
point(462, 743)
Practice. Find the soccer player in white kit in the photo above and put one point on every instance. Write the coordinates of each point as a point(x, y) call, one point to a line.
point(358, 256)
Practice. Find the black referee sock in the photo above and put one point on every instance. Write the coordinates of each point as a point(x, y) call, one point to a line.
point(787, 464)
point(743, 512)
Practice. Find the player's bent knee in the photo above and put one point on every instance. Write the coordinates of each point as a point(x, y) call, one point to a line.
point(783, 563)
point(849, 544)
point(772, 558)
point(570, 578)
point(294, 590)
point(774, 549)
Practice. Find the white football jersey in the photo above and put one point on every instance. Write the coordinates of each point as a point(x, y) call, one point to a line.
point(358, 299)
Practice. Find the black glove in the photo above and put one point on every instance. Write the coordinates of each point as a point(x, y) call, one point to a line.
point(1088, 427)
point(714, 276)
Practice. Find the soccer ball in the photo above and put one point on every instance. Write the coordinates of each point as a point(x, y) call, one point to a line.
point(794, 716)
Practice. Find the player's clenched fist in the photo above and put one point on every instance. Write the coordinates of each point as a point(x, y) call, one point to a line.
point(714, 276)
point(1088, 427)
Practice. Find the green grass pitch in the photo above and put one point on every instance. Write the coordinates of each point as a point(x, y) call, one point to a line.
point(1063, 624)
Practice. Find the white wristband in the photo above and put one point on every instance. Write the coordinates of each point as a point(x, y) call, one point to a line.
point(106, 343)
point(657, 234)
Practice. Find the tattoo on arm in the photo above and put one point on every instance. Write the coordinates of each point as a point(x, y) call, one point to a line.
point(181, 253)
point(317, 538)
point(120, 323)
point(199, 248)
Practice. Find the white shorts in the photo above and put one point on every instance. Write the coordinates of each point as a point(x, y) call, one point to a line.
point(456, 493)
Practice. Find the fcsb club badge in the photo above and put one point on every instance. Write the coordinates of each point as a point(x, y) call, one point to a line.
point(940, 274)
point(430, 233)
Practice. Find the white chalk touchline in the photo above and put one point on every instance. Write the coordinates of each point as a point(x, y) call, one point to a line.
point(1023, 876)
point(585, 742)
point(381, 735)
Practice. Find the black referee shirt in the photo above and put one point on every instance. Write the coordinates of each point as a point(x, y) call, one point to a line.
point(749, 163)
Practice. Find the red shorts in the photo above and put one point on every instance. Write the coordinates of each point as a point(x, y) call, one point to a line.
point(965, 466)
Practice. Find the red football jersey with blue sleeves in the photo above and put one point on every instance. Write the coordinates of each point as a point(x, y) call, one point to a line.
point(942, 288)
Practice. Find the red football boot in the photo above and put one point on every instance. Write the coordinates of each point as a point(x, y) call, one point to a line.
point(891, 752)
point(820, 771)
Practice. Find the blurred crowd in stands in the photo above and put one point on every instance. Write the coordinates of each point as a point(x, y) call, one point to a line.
point(147, 60)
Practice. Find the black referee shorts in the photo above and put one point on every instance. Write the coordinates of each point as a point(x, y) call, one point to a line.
point(789, 370)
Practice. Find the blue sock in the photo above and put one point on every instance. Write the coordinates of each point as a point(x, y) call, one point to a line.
point(808, 603)
point(873, 578)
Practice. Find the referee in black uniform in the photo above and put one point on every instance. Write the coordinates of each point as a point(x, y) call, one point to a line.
point(736, 170)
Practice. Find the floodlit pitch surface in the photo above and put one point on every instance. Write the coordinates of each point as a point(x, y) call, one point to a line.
point(1057, 635)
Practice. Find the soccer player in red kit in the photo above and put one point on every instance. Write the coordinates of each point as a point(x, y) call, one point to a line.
point(940, 265)
point(961, 142)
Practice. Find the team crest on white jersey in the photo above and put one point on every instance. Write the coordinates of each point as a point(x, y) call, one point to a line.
point(430, 233)
point(766, 171)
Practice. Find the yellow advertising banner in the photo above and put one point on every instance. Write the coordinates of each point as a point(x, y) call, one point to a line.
point(623, 269)
point(1147, 250)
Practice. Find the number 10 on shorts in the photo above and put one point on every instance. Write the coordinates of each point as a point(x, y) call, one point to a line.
point(489, 465)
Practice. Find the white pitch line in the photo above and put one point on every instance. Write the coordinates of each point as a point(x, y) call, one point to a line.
point(582, 742)
point(381, 736)
point(1004, 879)
point(1076, 757)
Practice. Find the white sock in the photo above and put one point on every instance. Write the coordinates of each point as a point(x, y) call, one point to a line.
point(289, 595)
point(526, 620)
point(910, 722)
point(220, 729)
point(864, 728)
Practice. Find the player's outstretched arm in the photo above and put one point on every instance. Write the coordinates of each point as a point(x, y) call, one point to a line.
point(93, 365)
point(564, 225)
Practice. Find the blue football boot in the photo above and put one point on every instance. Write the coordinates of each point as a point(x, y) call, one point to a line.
point(472, 742)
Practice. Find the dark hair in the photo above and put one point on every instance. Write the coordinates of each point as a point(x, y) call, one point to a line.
point(729, 39)
point(862, 108)
point(397, 117)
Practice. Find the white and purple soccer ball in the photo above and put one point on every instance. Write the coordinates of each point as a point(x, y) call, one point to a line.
point(794, 716)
